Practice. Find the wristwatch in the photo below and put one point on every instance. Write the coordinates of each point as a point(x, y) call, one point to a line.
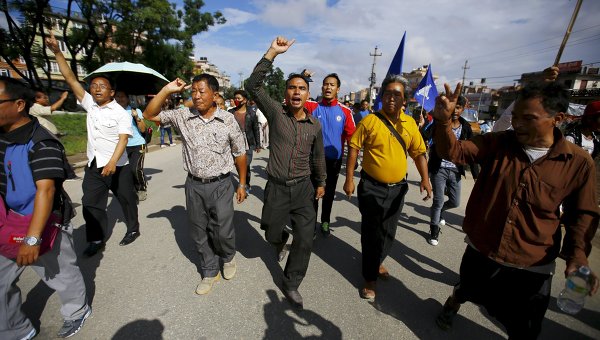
point(32, 241)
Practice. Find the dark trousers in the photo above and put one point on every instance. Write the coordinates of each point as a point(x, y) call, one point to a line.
point(516, 297)
point(333, 167)
point(210, 212)
point(136, 155)
point(282, 204)
point(95, 198)
point(249, 154)
point(380, 206)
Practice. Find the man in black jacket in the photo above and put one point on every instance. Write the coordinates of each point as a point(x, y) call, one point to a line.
point(445, 175)
point(246, 117)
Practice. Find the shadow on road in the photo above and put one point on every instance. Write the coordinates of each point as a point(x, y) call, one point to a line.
point(283, 321)
point(178, 220)
point(141, 329)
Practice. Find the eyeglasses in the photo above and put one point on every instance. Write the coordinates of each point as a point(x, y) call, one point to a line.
point(96, 86)
point(8, 100)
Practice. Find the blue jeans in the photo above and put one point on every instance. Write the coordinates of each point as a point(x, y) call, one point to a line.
point(445, 180)
point(162, 135)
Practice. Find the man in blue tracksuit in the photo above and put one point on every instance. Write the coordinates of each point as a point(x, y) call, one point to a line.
point(337, 126)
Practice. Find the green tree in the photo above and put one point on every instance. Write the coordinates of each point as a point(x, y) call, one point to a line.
point(274, 83)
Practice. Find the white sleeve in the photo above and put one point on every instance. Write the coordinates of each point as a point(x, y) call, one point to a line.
point(505, 121)
point(124, 123)
point(87, 101)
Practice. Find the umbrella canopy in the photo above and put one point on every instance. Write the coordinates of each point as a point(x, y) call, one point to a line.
point(132, 78)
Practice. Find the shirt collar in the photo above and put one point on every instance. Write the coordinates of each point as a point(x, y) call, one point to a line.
point(218, 114)
point(20, 135)
point(560, 146)
point(333, 102)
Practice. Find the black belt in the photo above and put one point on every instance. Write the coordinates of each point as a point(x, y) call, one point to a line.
point(366, 176)
point(289, 182)
point(208, 180)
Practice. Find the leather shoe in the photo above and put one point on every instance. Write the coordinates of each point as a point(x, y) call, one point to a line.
point(93, 248)
point(368, 290)
point(383, 273)
point(129, 238)
point(294, 298)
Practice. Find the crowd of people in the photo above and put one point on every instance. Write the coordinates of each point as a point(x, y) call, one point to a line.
point(532, 184)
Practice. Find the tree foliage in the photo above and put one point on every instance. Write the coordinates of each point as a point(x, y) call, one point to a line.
point(275, 83)
point(153, 32)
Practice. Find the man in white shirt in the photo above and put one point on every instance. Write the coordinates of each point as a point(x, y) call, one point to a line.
point(41, 107)
point(108, 129)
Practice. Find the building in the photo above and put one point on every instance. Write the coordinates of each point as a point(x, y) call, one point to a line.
point(202, 65)
point(415, 76)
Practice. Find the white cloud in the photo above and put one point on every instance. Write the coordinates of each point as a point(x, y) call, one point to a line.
point(499, 38)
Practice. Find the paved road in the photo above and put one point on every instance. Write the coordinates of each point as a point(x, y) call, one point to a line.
point(146, 290)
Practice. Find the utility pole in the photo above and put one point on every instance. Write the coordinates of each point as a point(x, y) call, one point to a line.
point(241, 80)
point(465, 68)
point(372, 77)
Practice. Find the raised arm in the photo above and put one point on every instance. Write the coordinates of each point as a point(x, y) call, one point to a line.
point(153, 109)
point(59, 102)
point(65, 70)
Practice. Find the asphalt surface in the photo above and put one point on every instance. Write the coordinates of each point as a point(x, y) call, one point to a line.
point(146, 290)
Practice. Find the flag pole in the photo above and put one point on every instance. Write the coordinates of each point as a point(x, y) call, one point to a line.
point(568, 32)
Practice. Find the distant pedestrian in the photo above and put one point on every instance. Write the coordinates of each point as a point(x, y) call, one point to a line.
point(42, 107)
point(513, 220)
point(212, 146)
point(296, 153)
point(108, 129)
point(387, 138)
point(247, 119)
point(136, 145)
point(166, 128)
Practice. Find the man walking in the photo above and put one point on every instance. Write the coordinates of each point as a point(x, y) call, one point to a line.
point(136, 145)
point(296, 153)
point(41, 107)
point(212, 144)
point(247, 119)
point(338, 126)
point(512, 221)
point(108, 129)
point(387, 138)
point(445, 175)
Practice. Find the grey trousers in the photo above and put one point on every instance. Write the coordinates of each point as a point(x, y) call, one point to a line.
point(442, 180)
point(58, 269)
point(210, 212)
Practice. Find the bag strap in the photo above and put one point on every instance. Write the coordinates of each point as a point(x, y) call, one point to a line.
point(392, 130)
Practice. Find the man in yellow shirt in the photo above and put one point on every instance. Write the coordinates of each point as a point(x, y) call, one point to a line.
point(383, 183)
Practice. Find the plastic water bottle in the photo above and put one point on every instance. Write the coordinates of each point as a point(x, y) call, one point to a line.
point(577, 287)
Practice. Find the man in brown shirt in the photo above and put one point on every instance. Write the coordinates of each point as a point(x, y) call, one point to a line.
point(296, 152)
point(512, 220)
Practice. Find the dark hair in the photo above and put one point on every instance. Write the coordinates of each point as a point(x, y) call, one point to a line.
point(364, 101)
point(395, 78)
point(297, 75)
point(110, 79)
point(241, 93)
point(333, 75)
point(16, 89)
point(462, 101)
point(554, 97)
point(210, 80)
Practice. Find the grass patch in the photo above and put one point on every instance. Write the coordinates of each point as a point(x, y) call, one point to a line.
point(75, 126)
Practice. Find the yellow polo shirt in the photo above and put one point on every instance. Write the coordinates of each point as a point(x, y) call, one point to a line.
point(383, 156)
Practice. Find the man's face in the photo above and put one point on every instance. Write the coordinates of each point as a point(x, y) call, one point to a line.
point(10, 110)
point(458, 110)
point(364, 106)
point(393, 98)
point(296, 93)
point(42, 99)
point(239, 100)
point(220, 103)
point(101, 90)
point(330, 88)
point(203, 96)
point(122, 99)
point(532, 124)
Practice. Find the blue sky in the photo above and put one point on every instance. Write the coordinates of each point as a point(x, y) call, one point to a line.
point(500, 38)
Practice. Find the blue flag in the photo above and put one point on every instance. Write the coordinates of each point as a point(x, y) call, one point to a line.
point(426, 91)
point(395, 68)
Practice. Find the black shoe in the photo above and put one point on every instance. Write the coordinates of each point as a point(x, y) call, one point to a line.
point(129, 238)
point(446, 317)
point(294, 298)
point(93, 249)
